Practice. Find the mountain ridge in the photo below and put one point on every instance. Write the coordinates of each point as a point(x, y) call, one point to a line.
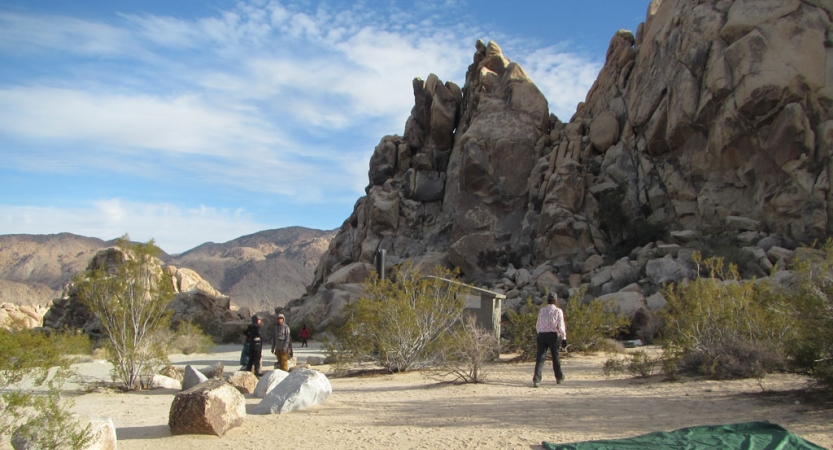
point(34, 268)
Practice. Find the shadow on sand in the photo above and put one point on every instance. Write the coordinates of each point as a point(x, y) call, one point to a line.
point(148, 432)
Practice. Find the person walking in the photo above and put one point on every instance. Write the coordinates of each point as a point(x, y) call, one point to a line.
point(255, 341)
point(304, 335)
point(282, 343)
point(552, 332)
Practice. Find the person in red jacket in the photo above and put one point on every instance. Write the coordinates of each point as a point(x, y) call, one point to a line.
point(304, 335)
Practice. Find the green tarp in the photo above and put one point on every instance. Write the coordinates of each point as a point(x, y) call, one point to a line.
point(741, 436)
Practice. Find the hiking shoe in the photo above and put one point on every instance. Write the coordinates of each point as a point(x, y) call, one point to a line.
point(559, 381)
point(535, 384)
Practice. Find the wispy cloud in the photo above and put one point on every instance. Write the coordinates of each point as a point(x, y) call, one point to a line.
point(271, 98)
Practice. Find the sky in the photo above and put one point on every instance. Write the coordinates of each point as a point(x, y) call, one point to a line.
point(202, 121)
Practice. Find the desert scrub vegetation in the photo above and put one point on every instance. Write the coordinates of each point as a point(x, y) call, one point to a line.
point(131, 299)
point(33, 369)
point(465, 355)
point(590, 326)
point(637, 363)
point(400, 323)
point(811, 349)
point(720, 326)
point(186, 338)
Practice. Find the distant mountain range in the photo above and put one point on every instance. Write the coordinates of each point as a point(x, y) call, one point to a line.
point(261, 270)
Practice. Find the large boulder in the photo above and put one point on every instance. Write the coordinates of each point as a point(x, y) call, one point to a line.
point(164, 382)
point(244, 381)
point(301, 389)
point(268, 382)
point(192, 377)
point(212, 407)
point(667, 270)
point(213, 371)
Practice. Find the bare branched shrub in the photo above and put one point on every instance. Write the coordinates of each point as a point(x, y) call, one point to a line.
point(465, 355)
point(131, 299)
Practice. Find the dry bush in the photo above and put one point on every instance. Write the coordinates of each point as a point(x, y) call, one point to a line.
point(465, 356)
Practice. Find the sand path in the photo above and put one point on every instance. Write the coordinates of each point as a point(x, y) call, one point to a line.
point(410, 411)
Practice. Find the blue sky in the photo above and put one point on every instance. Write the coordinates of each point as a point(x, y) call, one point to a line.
point(190, 122)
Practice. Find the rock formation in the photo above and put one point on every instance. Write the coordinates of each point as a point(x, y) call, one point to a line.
point(715, 119)
point(211, 407)
point(194, 299)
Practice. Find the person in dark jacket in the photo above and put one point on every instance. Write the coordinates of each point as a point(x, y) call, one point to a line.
point(255, 341)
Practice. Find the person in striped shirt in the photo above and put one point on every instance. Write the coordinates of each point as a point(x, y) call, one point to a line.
point(552, 332)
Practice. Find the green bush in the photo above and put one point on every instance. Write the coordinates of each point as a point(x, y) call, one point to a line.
point(640, 364)
point(520, 331)
point(400, 322)
point(591, 325)
point(189, 338)
point(812, 348)
point(723, 327)
point(43, 362)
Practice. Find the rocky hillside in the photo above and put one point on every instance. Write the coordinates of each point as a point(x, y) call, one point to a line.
point(263, 269)
point(35, 268)
point(710, 128)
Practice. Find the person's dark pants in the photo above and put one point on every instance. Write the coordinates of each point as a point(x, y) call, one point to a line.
point(255, 350)
point(551, 341)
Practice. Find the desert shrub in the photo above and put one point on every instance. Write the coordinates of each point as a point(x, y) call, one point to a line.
point(131, 299)
point(520, 331)
point(209, 325)
point(188, 338)
point(812, 348)
point(613, 365)
point(39, 413)
point(640, 364)
point(724, 327)
point(399, 322)
point(590, 325)
point(466, 353)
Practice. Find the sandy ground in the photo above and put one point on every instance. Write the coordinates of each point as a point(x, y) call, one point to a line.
point(411, 411)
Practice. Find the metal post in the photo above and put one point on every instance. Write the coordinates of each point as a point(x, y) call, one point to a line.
point(380, 263)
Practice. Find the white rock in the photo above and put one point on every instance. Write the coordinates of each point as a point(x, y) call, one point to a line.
point(268, 382)
point(300, 390)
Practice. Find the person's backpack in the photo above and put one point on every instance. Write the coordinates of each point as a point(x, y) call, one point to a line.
point(244, 355)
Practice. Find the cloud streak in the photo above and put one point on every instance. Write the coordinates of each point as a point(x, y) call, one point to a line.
point(269, 98)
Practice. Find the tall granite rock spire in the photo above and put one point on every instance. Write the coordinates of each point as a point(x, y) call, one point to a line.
point(716, 115)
